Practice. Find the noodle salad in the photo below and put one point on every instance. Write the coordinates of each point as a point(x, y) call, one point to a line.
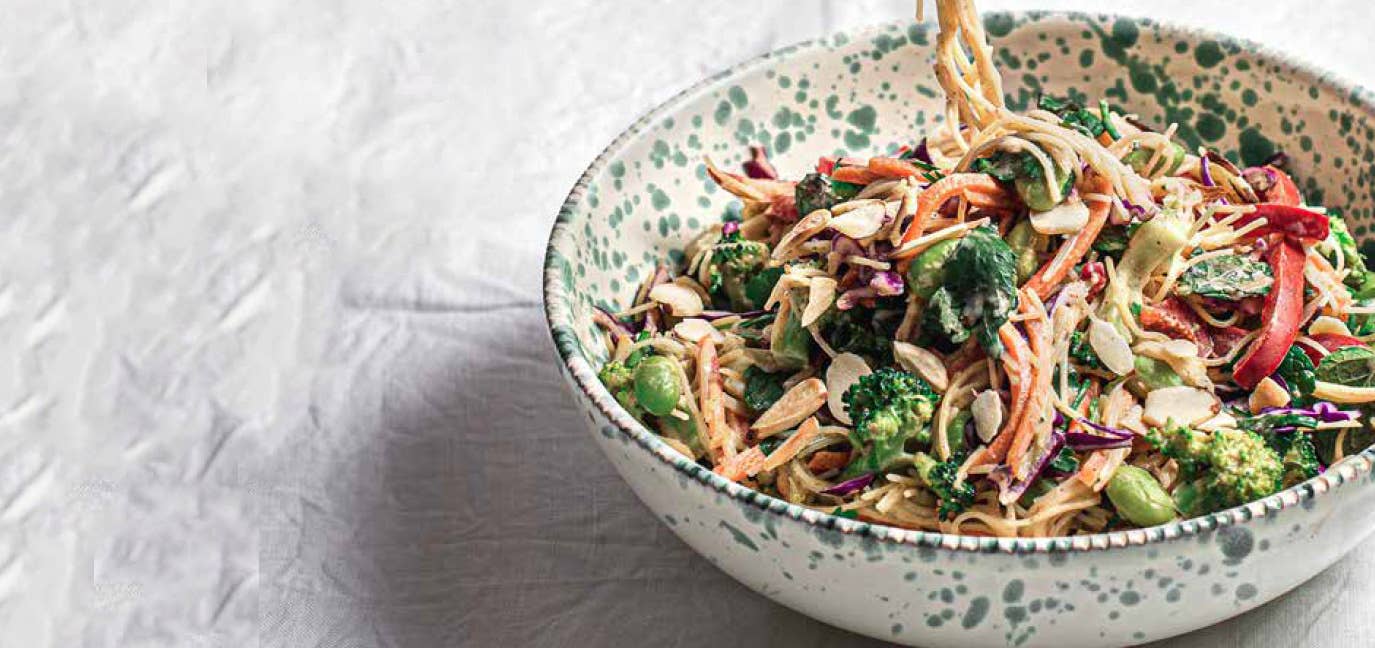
point(1040, 324)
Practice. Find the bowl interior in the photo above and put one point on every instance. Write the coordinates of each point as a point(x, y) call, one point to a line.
point(869, 92)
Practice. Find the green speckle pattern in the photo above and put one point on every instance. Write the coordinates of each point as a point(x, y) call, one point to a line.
point(871, 92)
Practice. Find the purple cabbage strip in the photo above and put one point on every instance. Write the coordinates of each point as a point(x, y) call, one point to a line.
point(847, 487)
point(845, 246)
point(1205, 173)
point(1260, 178)
point(850, 298)
point(886, 283)
point(606, 320)
point(1011, 489)
point(1321, 410)
point(1085, 441)
point(730, 227)
point(1113, 432)
point(922, 153)
point(758, 166)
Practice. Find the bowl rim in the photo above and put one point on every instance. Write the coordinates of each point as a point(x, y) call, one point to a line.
point(559, 321)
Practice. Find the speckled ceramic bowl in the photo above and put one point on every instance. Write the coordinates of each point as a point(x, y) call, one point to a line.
point(867, 92)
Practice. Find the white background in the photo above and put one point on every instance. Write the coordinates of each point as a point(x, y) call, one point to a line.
point(272, 360)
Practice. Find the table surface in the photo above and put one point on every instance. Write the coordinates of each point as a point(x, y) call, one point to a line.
point(274, 365)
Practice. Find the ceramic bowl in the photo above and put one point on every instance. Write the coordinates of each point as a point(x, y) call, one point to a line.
point(867, 92)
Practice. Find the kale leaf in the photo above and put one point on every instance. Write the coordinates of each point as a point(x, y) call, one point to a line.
point(982, 279)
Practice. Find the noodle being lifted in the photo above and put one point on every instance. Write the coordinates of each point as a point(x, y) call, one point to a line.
point(1039, 324)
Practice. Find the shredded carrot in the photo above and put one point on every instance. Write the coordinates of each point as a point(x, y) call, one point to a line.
point(712, 403)
point(1033, 424)
point(789, 449)
point(887, 167)
point(1021, 372)
point(1053, 272)
point(1088, 473)
point(854, 175)
point(743, 465)
point(980, 189)
point(827, 460)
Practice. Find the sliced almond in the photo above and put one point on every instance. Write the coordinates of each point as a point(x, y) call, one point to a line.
point(810, 225)
point(846, 369)
point(803, 400)
point(1267, 393)
point(987, 409)
point(1182, 405)
point(680, 300)
point(1218, 421)
point(1111, 347)
point(1182, 356)
point(821, 293)
point(694, 329)
point(1066, 218)
point(1329, 325)
point(861, 221)
point(923, 363)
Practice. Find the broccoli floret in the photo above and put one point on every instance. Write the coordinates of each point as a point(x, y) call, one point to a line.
point(1222, 470)
point(1188, 448)
point(620, 381)
point(864, 331)
point(942, 478)
point(1242, 469)
point(889, 408)
point(734, 262)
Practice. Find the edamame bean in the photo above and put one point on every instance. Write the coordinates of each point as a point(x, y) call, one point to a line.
point(1024, 243)
point(1139, 498)
point(1035, 192)
point(656, 385)
point(1155, 374)
point(1169, 162)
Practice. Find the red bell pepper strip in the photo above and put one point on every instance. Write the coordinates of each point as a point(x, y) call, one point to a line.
point(1291, 221)
point(1175, 319)
point(1331, 342)
point(1280, 317)
point(1273, 185)
point(825, 164)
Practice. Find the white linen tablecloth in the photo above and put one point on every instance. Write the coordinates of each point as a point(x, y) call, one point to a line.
point(274, 368)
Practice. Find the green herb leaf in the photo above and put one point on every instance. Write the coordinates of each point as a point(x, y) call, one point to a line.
point(1351, 366)
point(1231, 277)
point(852, 514)
point(762, 389)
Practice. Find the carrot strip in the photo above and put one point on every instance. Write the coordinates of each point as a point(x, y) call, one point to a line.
point(827, 460)
point(746, 464)
point(1017, 360)
point(1033, 424)
point(980, 189)
point(887, 167)
point(1088, 473)
point(854, 175)
point(1053, 272)
point(789, 449)
point(712, 403)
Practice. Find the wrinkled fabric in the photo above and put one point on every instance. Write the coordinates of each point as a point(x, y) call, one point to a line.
point(274, 369)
